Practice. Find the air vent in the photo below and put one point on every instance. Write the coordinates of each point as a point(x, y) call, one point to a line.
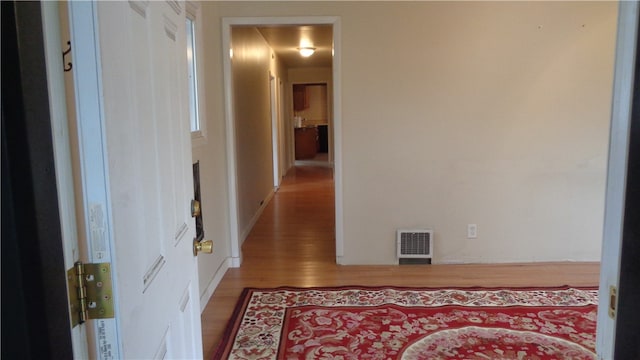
point(415, 244)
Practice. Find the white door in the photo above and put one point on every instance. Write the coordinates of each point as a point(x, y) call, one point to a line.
point(617, 173)
point(130, 76)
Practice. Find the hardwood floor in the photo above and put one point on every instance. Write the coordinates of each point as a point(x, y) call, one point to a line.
point(293, 244)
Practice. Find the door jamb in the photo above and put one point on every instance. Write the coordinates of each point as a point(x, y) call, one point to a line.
point(275, 130)
point(616, 174)
point(94, 163)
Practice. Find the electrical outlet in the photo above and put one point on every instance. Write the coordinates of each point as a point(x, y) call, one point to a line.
point(472, 231)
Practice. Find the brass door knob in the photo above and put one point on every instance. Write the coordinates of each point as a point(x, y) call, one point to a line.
point(205, 246)
point(195, 208)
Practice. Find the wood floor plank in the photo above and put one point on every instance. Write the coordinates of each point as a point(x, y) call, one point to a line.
point(293, 244)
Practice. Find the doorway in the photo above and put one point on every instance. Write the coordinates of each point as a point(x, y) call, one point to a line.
point(312, 121)
point(238, 219)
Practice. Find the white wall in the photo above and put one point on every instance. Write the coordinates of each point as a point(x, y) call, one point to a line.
point(211, 153)
point(250, 66)
point(500, 119)
point(493, 113)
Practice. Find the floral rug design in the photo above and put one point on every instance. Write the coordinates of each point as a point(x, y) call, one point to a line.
point(412, 323)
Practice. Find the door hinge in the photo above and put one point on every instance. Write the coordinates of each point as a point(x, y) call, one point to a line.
point(613, 301)
point(90, 292)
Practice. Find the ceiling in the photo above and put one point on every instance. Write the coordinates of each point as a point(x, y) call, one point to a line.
point(285, 41)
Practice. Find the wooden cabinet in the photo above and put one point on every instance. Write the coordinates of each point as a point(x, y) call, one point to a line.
point(300, 97)
point(306, 142)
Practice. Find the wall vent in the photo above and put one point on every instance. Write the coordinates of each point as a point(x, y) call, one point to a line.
point(415, 246)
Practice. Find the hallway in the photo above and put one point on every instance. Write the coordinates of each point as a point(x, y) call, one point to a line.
point(293, 244)
point(296, 227)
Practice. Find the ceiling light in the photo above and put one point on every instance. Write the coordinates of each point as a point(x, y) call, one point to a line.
point(306, 51)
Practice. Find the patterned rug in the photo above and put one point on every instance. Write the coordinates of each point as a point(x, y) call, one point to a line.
point(412, 323)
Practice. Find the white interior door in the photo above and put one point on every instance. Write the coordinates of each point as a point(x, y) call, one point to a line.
point(131, 91)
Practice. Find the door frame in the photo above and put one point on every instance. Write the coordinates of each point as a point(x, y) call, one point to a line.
point(282, 130)
point(330, 153)
point(274, 98)
point(94, 162)
point(615, 200)
point(227, 24)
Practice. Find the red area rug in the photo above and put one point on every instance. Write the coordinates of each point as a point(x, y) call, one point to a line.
point(412, 323)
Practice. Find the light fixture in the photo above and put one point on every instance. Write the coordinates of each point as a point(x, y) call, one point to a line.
point(306, 51)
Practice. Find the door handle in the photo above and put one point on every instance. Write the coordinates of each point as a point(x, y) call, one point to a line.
point(195, 208)
point(204, 246)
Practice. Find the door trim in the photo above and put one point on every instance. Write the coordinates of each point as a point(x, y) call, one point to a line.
point(227, 24)
point(274, 97)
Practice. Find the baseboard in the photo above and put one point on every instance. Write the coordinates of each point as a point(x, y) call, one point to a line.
point(255, 217)
point(213, 284)
point(236, 262)
point(511, 262)
point(314, 163)
point(450, 262)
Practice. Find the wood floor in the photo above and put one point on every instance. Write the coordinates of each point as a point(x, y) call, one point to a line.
point(293, 244)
